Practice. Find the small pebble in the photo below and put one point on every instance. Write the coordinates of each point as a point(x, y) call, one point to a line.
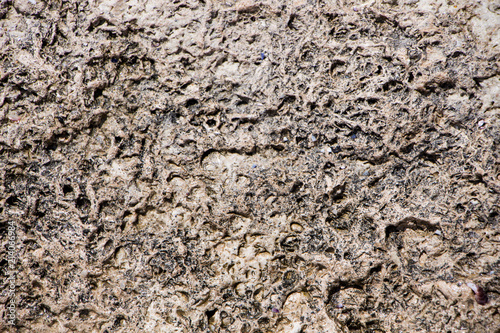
point(254, 166)
point(438, 232)
point(480, 123)
point(328, 149)
point(296, 227)
point(275, 310)
point(342, 167)
point(479, 293)
point(14, 118)
point(285, 139)
point(262, 56)
point(474, 202)
point(353, 136)
point(313, 138)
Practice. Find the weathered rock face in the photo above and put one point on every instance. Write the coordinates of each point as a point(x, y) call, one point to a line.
point(250, 166)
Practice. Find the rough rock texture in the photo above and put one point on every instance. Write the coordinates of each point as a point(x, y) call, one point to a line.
point(251, 166)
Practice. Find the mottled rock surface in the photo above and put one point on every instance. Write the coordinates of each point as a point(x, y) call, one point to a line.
point(251, 166)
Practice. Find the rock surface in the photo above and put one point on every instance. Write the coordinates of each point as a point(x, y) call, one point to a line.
point(250, 166)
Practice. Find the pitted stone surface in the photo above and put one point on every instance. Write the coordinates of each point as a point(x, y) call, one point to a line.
point(251, 166)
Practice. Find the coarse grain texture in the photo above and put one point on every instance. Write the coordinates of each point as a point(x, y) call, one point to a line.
point(250, 166)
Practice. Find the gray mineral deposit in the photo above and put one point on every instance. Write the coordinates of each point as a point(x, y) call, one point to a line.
point(250, 166)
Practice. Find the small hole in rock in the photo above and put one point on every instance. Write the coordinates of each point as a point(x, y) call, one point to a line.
point(210, 313)
point(191, 102)
point(67, 189)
